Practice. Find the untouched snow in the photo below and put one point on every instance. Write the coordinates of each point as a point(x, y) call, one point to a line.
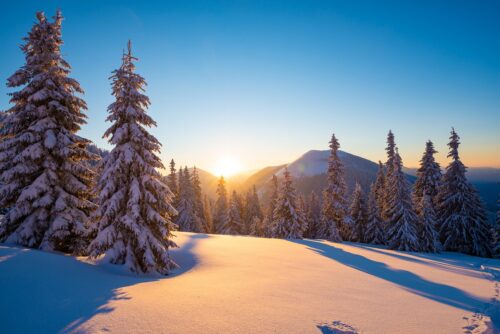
point(234, 284)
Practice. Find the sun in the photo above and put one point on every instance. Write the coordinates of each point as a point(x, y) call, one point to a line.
point(227, 166)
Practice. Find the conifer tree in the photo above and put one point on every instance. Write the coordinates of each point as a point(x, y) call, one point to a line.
point(391, 153)
point(374, 233)
point(358, 212)
point(334, 214)
point(313, 216)
point(45, 179)
point(496, 240)
point(234, 225)
point(198, 200)
point(207, 215)
point(424, 194)
point(428, 177)
point(186, 219)
point(257, 227)
point(268, 220)
point(389, 168)
point(464, 227)
point(302, 206)
point(172, 182)
point(135, 226)
point(253, 213)
point(379, 187)
point(221, 214)
point(402, 231)
point(288, 221)
point(428, 236)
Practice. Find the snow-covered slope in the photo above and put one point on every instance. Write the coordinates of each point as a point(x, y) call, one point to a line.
point(231, 284)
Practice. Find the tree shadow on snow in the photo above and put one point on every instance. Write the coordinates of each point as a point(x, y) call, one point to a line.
point(451, 262)
point(184, 255)
point(409, 281)
point(50, 293)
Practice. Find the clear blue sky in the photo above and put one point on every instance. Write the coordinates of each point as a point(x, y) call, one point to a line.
point(265, 81)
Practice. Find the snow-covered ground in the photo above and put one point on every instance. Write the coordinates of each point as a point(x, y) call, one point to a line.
point(235, 284)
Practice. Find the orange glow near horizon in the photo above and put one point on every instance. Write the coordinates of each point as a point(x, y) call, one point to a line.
point(226, 166)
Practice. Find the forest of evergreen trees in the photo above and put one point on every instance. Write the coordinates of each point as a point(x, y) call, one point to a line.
point(61, 193)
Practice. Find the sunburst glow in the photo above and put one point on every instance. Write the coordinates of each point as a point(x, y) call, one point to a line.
point(227, 166)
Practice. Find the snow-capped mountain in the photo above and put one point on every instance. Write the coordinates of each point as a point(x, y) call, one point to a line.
point(309, 172)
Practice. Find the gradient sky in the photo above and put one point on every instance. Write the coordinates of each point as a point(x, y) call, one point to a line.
point(266, 81)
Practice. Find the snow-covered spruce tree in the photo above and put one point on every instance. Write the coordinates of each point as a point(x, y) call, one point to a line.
point(358, 212)
point(424, 194)
point(379, 187)
point(464, 227)
point(221, 214)
point(402, 232)
point(313, 216)
point(253, 213)
point(374, 233)
point(428, 177)
point(172, 182)
point(186, 219)
point(135, 227)
point(207, 215)
point(427, 234)
point(335, 220)
point(302, 207)
point(496, 240)
point(288, 221)
point(389, 168)
point(45, 175)
point(257, 227)
point(234, 225)
point(198, 200)
point(268, 219)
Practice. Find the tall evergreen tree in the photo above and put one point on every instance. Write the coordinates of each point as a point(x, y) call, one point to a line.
point(302, 207)
point(428, 236)
point(172, 182)
point(334, 214)
point(135, 226)
point(45, 177)
point(207, 215)
point(268, 220)
point(234, 225)
point(464, 227)
point(253, 213)
point(313, 216)
point(374, 233)
point(424, 194)
point(496, 240)
point(428, 176)
point(257, 227)
point(186, 220)
point(198, 200)
point(358, 212)
point(379, 187)
point(221, 214)
point(402, 232)
point(391, 153)
point(288, 221)
point(389, 169)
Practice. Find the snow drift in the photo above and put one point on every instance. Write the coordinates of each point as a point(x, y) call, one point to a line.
point(242, 284)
